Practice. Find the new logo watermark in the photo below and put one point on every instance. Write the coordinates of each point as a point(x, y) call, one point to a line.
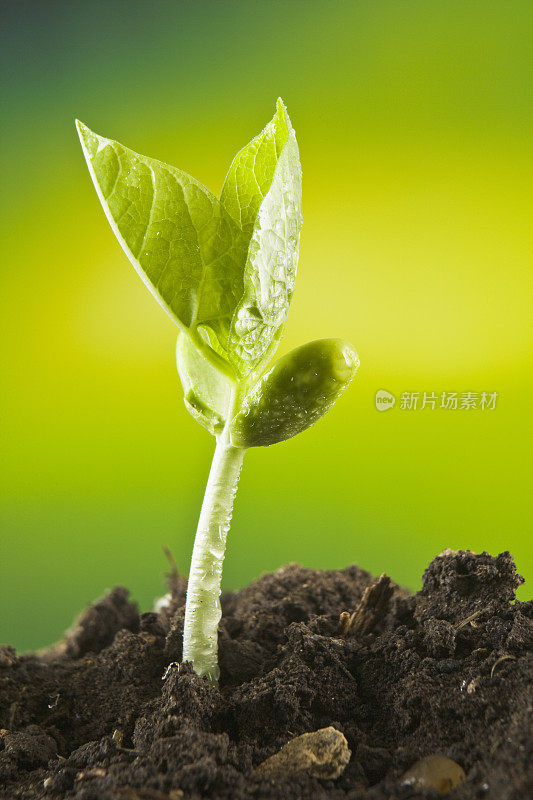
point(448, 401)
point(384, 400)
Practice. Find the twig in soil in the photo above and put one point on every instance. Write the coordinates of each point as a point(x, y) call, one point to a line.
point(14, 707)
point(171, 666)
point(172, 577)
point(470, 619)
point(472, 686)
point(505, 657)
point(118, 737)
point(370, 611)
point(95, 772)
point(345, 622)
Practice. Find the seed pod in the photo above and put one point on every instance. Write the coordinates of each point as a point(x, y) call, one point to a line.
point(294, 393)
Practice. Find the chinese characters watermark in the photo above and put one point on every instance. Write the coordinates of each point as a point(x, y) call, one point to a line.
point(448, 401)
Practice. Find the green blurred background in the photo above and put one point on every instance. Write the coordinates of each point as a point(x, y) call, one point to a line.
point(414, 120)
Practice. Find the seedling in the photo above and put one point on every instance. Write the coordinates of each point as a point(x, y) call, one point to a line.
point(224, 269)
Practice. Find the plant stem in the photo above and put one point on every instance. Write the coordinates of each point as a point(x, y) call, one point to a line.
point(202, 609)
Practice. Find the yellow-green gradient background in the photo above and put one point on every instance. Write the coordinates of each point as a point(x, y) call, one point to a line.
point(414, 120)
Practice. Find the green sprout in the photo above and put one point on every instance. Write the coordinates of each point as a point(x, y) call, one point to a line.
point(224, 270)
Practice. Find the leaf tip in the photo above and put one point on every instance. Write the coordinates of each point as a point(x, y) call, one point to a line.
point(281, 109)
point(83, 132)
point(283, 114)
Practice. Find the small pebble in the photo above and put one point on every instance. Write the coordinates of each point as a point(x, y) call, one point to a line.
point(434, 772)
point(321, 754)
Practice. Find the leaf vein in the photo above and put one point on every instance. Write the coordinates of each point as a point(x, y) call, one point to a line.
point(119, 173)
point(152, 207)
point(169, 260)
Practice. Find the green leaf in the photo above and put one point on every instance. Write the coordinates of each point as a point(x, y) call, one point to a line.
point(207, 392)
point(299, 389)
point(251, 172)
point(185, 246)
point(262, 193)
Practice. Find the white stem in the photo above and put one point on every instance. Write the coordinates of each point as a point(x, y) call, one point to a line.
point(202, 609)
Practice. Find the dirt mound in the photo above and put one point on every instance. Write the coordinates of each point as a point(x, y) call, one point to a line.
point(111, 713)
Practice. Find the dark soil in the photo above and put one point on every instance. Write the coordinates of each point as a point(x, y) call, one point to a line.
point(446, 671)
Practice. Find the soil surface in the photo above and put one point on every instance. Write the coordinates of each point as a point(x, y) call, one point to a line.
point(110, 713)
